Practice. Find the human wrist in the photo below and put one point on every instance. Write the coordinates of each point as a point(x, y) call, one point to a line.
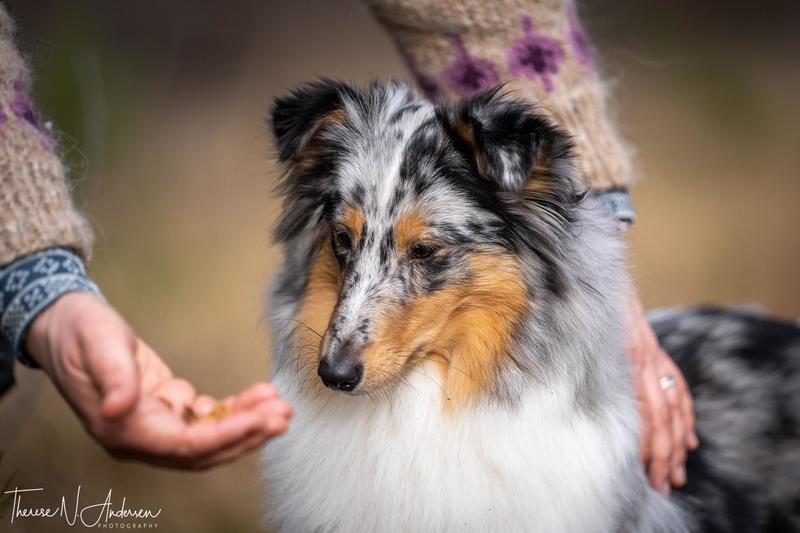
point(618, 203)
point(28, 287)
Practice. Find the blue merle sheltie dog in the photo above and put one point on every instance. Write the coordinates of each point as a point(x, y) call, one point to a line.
point(449, 325)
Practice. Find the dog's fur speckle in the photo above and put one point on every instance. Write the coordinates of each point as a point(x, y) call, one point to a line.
point(451, 252)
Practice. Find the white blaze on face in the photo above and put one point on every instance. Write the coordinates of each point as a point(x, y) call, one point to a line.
point(374, 164)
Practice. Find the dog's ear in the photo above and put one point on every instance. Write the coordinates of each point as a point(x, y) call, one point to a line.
point(297, 117)
point(511, 145)
point(304, 124)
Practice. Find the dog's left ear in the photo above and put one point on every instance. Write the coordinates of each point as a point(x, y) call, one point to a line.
point(296, 118)
point(511, 145)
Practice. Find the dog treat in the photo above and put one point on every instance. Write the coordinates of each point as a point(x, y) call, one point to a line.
point(188, 415)
point(219, 411)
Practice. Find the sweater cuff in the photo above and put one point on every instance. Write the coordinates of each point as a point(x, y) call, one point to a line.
point(28, 286)
point(618, 202)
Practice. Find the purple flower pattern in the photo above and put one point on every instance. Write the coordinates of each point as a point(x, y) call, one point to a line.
point(21, 105)
point(23, 108)
point(532, 56)
point(535, 56)
point(470, 74)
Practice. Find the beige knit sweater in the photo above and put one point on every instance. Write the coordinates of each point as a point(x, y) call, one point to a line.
point(36, 210)
point(453, 47)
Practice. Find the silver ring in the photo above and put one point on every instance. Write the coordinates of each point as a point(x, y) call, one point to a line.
point(667, 382)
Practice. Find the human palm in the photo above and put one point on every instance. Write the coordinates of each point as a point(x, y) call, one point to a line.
point(130, 401)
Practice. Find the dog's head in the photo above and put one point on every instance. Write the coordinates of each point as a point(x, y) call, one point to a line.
point(433, 230)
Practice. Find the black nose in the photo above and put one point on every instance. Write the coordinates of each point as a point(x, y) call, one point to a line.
point(342, 375)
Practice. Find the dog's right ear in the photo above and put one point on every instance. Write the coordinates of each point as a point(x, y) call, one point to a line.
point(297, 117)
point(304, 123)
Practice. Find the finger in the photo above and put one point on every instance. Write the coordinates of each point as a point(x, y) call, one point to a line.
point(110, 360)
point(645, 429)
point(207, 436)
point(687, 411)
point(153, 369)
point(683, 398)
point(204, 404)
point(274, 414)
point(186, 441)
point(253, 395)
point(259, 395)
point(645, 443)
point(678, 459)
point(176, 394)
point(166, 438)
point(214, 458)
point(277, 423)
point(661, 434)
point(659, 467)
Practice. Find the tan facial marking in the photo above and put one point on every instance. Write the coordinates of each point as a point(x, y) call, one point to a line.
point(474, 341)
point(353, 220)
point(409, 229)
point(315, 310)
point(464, 327)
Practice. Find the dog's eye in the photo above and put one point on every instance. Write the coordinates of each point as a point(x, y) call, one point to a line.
point(342, 242)
point(422, 250)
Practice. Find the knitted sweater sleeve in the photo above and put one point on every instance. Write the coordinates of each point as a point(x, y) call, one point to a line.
point(36, 211)
point(43, 239)
point(537, 48)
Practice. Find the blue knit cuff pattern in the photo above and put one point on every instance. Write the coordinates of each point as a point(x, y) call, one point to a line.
point(28, 286)
point(618, 202)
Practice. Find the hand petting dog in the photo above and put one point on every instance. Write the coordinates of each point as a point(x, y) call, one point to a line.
point(132, 404)
point(666, 412)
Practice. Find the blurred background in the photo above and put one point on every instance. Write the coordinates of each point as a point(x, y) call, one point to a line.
point(161, 109)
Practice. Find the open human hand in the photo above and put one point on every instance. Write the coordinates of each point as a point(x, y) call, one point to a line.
point(129, 400)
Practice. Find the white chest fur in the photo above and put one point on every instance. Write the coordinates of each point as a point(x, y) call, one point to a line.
point(358, 464)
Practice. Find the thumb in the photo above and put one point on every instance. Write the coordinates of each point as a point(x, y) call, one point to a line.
point(111, 362)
